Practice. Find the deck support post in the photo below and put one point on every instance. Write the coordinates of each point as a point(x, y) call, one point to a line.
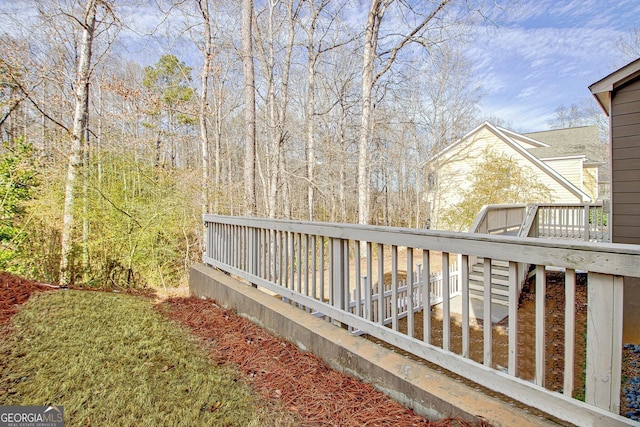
point(604, 330)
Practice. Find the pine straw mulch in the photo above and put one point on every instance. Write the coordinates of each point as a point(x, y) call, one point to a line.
point(281, 373)
point(15, 291)
point(305, 384)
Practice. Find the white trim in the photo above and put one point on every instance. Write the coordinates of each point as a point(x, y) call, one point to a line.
point(620, 76)
point(458, 142)
point(602, 89)
point(532, 141)
point(544, 159)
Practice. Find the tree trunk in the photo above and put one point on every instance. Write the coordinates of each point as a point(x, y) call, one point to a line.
point(85, 200)
point(282, 111)
point(218, 119)
point(204, 88)
point(272, 156)
point(249, 109)
point(311, 145)
point(369, 79)
point(311, 101)
point(75, 156)
point(368, 59)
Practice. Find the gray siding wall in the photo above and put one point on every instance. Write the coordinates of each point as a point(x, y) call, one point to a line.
point(625, 164)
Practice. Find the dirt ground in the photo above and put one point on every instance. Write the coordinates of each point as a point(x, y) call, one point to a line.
point(276, 369)
point(554, 348)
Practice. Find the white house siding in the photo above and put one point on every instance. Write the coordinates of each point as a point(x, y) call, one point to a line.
point(570, 168)
point(455, 167)
point(590, 182)
point(525, 143)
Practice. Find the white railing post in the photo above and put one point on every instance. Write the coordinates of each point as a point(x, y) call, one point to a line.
point(208, 241)
point(569, 330)
point(337, 267)
point(410, 301)
point(540, 319)
point(226, 244)
point(513, 319)
point(586, 221)
point(604, 331)
point(446, 296)
point(463, 287)
point(426, 296)
point(487, 329)
point(254, 251)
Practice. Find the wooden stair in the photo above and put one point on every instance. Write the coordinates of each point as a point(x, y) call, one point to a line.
point(499, 281)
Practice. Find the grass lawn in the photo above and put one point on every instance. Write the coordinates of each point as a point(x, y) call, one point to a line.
point(112, 360)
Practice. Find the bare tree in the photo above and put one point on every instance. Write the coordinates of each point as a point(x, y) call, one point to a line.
point(566, 117)
point(387, 56)
point(336, 117)
point(249, 108)
point(316, 48)
point(585, 112)
point(629, 46)
point(447, 110)
point(276, 71)
point(77, 138)
point(312, 58)
point(204, 92)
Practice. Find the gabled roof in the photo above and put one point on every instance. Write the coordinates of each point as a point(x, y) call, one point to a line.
point(602, 89)
point(525, 138)
point(509, 137)
point(583, 141)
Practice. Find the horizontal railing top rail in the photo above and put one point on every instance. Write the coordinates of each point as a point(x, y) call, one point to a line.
point(607, 258)
point(599, 203)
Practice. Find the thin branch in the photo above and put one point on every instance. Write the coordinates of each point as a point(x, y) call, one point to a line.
point(35, 104)
point(408, 39)
point(116, 207)
point(13, 107)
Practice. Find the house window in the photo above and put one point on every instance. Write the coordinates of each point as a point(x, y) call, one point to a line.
point(432, 180)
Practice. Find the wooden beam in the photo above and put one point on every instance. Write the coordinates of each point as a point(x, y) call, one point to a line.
point(604, 331)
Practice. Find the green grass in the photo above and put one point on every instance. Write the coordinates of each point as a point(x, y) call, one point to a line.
point(112, 360)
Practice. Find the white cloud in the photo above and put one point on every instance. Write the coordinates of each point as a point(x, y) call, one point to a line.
point(546, 53)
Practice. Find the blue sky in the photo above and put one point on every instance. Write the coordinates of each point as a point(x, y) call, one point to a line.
point(545, 53)
point(537, 56)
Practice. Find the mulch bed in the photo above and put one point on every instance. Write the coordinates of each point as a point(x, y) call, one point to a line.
point(305, 384)
point(278, 371)
point(15, 291)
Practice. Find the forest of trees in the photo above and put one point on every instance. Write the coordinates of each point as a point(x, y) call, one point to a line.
point(304, 109)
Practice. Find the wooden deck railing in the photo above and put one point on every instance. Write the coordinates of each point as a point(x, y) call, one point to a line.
point(402, 295)
point(500, 219)
point(588, 222)
point(318, 267)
